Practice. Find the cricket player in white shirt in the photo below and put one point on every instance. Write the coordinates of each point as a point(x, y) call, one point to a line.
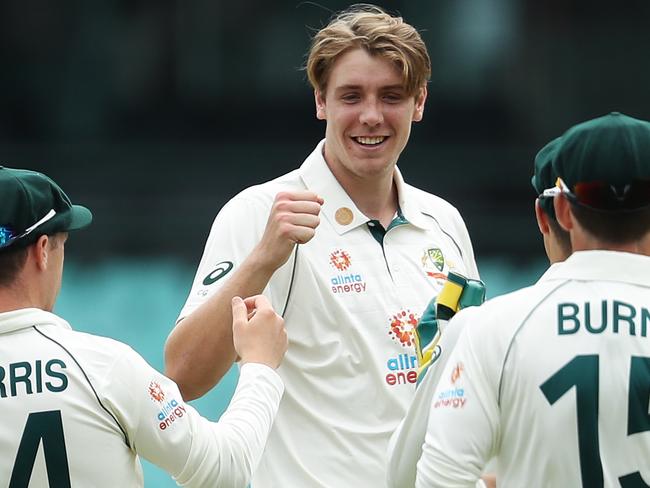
point(349, 254)
point(405, 447)
point(554, 379)
point(79, 409)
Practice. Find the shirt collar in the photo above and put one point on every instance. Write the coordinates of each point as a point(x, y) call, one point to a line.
point(622, 267)
point(339, 209)
point(409, 204)
point(28, 317)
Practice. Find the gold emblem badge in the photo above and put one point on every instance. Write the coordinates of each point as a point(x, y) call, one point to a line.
point(344, 216)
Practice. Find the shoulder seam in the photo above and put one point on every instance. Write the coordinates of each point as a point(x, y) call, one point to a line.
point(446, 233)
point(126, 437)
point(519, 328)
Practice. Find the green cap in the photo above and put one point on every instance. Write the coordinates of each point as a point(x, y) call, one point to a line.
point(544, 176)
point(33, 205)
point(614, 149)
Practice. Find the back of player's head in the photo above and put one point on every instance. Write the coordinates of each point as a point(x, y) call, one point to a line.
point(32, 205)
point(380, 34)
point(603, 168)
point(544, 178)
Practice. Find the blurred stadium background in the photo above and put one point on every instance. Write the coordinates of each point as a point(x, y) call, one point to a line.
point(155, 113)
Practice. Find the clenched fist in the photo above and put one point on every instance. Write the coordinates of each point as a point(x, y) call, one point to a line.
point(293, 220)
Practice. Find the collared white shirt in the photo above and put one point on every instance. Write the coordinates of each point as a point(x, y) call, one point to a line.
point(351, 305)
point(405, 446)
point(79, 409)
point(553, 379)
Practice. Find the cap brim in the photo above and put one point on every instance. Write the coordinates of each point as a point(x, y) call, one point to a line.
point(81, 217)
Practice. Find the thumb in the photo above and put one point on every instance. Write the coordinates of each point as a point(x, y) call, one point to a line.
point(239, 314)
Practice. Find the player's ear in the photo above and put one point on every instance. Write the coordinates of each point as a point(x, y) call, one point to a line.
point(319, 97)
point(563, 212)
point(542, 218)
point(420, 98)
point(40, 251)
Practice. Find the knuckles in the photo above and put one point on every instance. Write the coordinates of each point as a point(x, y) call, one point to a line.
point(283, 196)
point(282, 206)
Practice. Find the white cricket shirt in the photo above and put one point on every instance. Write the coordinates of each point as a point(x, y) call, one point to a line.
point(553, 379)
point(351, 306)
point(405, 446)
point(78, 409)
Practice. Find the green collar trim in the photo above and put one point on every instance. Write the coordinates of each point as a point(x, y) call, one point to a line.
point(378, 231)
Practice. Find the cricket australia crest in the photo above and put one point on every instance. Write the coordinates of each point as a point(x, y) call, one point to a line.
point(433, 262)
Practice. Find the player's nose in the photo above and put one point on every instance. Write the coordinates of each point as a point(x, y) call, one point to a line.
point(371, 113)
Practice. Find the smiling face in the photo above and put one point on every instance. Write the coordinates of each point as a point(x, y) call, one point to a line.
point(369, 115)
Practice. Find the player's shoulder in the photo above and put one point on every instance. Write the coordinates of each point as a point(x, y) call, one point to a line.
point(426, 198)
point(444, 212)
point(253, 204)
point(489, 329)
point(90, 349)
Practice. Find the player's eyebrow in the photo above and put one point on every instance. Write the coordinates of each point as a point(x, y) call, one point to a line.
point(352, 87)
point(393, 88)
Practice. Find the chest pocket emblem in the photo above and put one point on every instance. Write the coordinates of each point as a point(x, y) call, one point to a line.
point(433, 259)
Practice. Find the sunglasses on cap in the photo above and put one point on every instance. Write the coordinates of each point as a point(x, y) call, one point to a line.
point(600, 195)
point(7, 237)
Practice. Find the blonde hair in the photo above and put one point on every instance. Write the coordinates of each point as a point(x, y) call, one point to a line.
point(380, 34)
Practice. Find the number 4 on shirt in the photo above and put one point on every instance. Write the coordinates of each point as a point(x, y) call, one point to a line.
point(49, 427)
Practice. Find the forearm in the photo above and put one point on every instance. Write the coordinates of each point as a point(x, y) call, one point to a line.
point(168, 432)
point(227, 453)
point(199, 351)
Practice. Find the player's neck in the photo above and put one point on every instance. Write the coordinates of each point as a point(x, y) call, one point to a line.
point(585, 242)
point(22, 293)
point(378, 204)
point(10, 300)
point(374, 195)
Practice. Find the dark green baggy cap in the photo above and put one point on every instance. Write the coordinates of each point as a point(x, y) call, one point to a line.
point(31, 204)
point(614, 149)
point(609, 154)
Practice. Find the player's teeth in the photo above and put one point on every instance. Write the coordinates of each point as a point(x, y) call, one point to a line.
point(370, 140)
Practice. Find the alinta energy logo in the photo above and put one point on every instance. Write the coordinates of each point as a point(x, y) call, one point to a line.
point(453, 397)
point(402, 327)
point(340, 260)
point(433, 262)
point(155, 392)
point(403, 368)
point(170, 411)
point(345, 282)
point(456, 372)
